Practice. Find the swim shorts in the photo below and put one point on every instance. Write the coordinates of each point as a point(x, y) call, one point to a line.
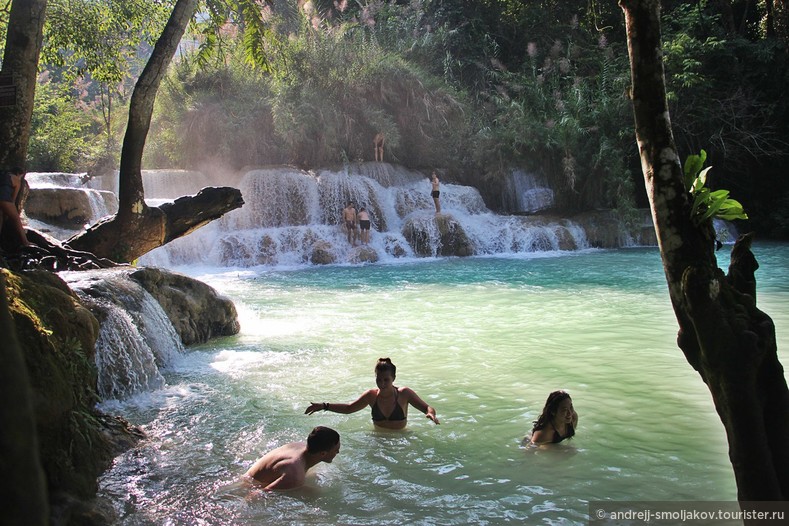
point(6, 189)
point(435, 194)
point(364, 224)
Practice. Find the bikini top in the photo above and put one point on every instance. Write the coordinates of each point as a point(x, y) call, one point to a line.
point(397, 414)
point(557, 437)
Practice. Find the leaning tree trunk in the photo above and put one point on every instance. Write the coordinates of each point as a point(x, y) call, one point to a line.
point(723, 335)
point(137, 228)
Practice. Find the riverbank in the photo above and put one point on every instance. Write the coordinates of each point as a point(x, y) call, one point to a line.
point(57, 335)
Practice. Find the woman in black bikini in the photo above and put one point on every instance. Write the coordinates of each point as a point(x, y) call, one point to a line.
point(389, 404)
point(557, 421)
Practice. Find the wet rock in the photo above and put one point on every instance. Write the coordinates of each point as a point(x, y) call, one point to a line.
point(322, 254)
point(364, 254)
point(69, 206)
point(58, 335)
point(196, 310)
point(439, 235)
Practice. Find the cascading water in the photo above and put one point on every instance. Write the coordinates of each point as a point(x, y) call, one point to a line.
point(172, 184)
point(62, 204)
point(292, 217)
point(289, 214)
point(136, 339)
point(529, 193)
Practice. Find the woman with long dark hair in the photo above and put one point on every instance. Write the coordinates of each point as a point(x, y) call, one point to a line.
point(557, 421)
point(388, 403)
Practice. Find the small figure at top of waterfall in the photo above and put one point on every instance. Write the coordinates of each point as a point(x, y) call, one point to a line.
point(557, 421)
point(286, 467)
point(349, 222)
point(10, 184)
point(364, 225)
point(435, 193)
point(389, 404)
point(378, 143)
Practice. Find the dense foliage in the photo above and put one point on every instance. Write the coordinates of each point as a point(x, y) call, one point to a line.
point(474, 88)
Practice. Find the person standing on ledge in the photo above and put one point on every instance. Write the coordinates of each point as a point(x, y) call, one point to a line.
point(435, 193)
point(557, 421)
point(286, 467)
point(10, 184)
point(378, 143)
point(364, 225)
point(389, 404)
point(349, 222)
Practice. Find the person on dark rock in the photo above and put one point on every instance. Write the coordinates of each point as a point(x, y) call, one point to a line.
point(10, 184)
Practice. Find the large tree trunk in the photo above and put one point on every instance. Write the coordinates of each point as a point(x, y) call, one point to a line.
point(137, 229)
point(18, 85)
point(20, 68)
point(125, 241)
point(723, 335)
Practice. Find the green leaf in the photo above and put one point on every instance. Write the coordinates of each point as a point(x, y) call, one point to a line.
point(718, 194)
point(701, 198)
point(714, 204)
point(693, 165)
point(701, 180)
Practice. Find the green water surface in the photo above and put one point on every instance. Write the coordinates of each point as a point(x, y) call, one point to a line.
point(483, 340)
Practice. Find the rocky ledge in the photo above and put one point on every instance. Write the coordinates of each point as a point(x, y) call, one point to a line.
point(56, 337)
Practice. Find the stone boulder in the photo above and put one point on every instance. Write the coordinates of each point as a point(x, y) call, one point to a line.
point(196, 310)
point(604, 229)
point(441, 235)
point(69, 206)
point(322, 253)
point(363, 254)
point(76, 442)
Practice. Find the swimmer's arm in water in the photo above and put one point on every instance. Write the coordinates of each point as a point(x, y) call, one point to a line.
point(363, 401)
point(420, 404)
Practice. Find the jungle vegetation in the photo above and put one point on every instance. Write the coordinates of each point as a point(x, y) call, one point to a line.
point(474, 88)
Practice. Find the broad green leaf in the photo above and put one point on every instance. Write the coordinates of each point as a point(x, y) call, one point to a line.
point(693, 165)
point(701, 198)
point(701, 180)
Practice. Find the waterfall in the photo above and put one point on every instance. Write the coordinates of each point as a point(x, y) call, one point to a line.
point(136, 339)
point(62, 204)
point(172, 184)
point(290, 215)
point(289, 212)
point(530, 193)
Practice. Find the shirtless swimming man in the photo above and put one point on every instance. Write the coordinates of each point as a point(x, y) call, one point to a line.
point(286, 467)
